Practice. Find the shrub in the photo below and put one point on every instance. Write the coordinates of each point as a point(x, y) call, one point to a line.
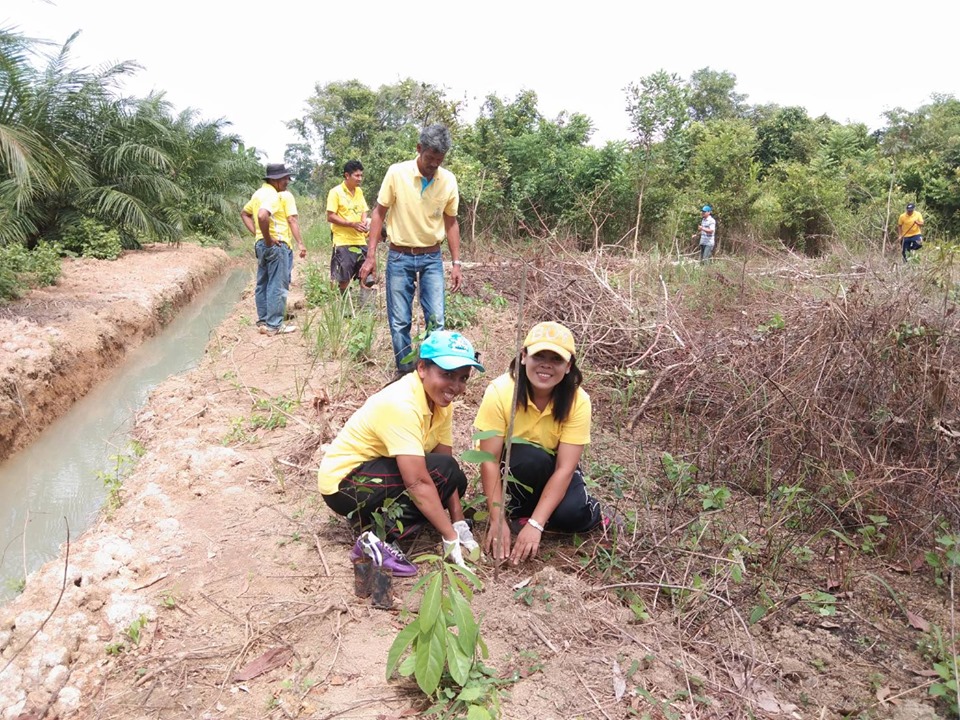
point(45, 266)
point(90, 238)
point(10, 286)
point(21, 269)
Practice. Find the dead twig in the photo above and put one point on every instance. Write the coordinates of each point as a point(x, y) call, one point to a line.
point(323, 559)
point(63, 587)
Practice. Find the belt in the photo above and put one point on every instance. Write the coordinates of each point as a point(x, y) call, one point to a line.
point(407, 250)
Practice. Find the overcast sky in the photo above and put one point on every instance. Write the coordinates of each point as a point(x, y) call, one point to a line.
point(256, 64)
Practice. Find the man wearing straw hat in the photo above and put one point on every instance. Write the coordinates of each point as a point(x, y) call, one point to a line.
point(271, 215)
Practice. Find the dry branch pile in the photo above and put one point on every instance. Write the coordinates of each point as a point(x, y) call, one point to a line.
point(854, 398)
point(851, 392)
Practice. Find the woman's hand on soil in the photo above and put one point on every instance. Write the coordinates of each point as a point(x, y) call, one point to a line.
point(527, 545)
point(501, 550)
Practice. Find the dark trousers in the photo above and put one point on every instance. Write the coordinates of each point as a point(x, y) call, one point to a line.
point(532, 466)
point(914, 242)
point(365, 491)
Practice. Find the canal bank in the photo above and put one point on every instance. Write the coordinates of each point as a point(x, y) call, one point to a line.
point(59, 341)
point(62, 479)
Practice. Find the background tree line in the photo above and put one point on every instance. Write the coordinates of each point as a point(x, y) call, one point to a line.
point(83, 169)
point(774, 174)
point(87, 170)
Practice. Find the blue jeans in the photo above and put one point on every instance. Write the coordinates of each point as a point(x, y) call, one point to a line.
point(274, 266)
point(402, 273)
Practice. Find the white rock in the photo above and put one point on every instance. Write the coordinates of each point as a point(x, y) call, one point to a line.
point(15, 709)
point(29, 620)
point(68, 700)
point(168, 526)
point(56, 655)
point(11, 687)
point(121, 610)
point(172, 551)
point(120, 549)
point(55, 678)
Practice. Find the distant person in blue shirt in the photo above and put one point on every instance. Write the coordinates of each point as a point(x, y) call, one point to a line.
point(707, 232)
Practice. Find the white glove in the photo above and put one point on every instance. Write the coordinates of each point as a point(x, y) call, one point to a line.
point(452, 551)
point(466, 537)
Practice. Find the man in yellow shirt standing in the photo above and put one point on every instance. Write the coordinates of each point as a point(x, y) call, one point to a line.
point(423, 199)
point(347, 215)
point(909, 228)
point(271, 215)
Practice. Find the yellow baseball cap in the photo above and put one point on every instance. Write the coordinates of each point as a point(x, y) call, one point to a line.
point(550, 336)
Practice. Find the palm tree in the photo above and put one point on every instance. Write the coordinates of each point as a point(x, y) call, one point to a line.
point(72, 148)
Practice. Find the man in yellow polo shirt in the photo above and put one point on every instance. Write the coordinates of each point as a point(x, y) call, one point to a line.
point(909, 229)
point(271, 215)
point(423, 199)
point(347, 215)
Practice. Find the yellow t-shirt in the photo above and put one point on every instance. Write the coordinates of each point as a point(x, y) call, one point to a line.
point(531, 424)
point(909, 225)
point(281, 206)
point(351, 208)
point(394, 421)
point(416, 213)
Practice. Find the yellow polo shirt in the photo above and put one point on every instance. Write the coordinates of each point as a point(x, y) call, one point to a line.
point(909, 225)
point(416, 214)
point(394, 421)
point(351, 208)
point(281, 207)
point(531, 424)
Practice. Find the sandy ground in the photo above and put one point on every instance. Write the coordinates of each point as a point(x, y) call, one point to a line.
point(221, 587)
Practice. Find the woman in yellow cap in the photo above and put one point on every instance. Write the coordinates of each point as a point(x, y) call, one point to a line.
point(551, 428)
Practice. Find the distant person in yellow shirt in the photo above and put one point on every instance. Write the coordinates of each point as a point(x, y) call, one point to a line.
point(271, 215)
point(423, 199)
point(909, 228)
point(347, 215)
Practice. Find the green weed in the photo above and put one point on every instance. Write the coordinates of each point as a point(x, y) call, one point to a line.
point(773, 324)
point(238, 434)
point(112, 479)
point(680, 475)
point(277, 410)
point(713, 498)
point(135, 629)
point(822, 603)
point(530, 594)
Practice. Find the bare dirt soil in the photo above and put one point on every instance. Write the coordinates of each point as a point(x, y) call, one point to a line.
point(221, 587)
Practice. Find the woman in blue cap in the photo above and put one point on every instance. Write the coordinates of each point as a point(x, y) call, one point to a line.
point(394, 456)
point(707, 232)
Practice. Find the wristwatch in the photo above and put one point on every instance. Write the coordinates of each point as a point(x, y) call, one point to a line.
point(458, 262)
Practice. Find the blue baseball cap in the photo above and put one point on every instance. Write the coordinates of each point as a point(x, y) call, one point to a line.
point(450, 350)
point(707, 208)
